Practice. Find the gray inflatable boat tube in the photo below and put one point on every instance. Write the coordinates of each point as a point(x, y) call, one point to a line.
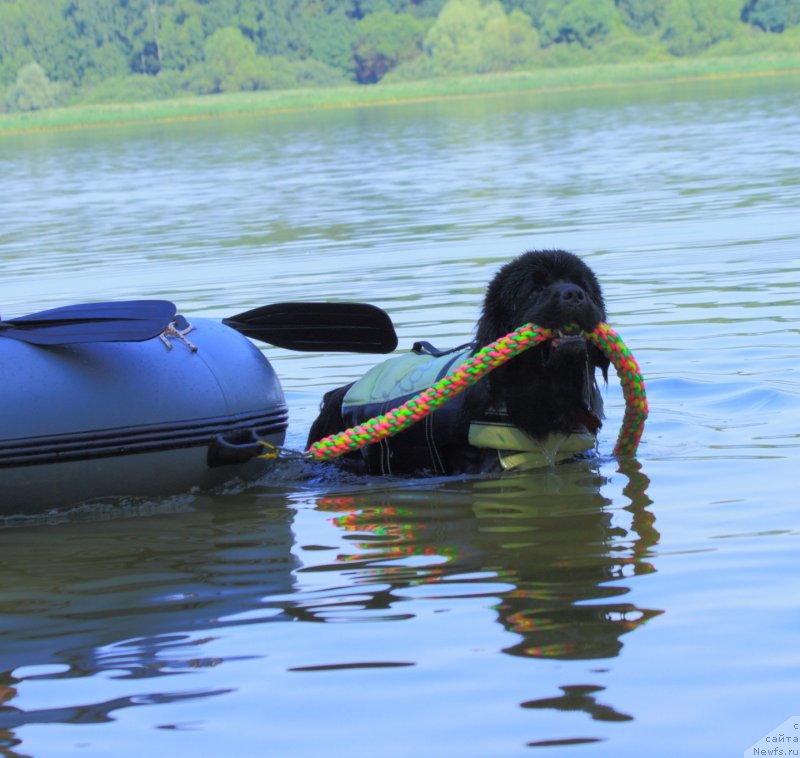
point(88, 422)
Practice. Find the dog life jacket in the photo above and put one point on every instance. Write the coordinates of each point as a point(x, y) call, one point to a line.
point(426, 444)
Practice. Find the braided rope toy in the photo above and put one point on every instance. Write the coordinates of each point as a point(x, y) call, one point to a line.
point(485, 360)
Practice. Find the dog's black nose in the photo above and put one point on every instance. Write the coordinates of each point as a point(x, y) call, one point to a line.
point(571, 294)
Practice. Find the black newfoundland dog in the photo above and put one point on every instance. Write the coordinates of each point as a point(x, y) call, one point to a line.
point(539, 408)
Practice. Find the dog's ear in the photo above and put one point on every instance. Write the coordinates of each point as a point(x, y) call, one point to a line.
point(493, 318)
point(598, 359)
point(594, 290)
point(498, 312)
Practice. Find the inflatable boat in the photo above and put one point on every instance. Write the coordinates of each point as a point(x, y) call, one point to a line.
point(110, 400)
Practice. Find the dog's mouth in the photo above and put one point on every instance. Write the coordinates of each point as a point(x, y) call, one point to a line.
point(562, 345)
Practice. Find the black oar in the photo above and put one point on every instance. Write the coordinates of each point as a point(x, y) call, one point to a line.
point(319, 327)
point(129, 321)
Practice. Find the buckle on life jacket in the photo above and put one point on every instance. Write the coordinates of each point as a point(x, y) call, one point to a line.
point(426, 348)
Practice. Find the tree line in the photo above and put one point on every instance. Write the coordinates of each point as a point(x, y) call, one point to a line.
point(62, 52)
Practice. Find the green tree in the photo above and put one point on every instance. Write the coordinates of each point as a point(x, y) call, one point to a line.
point(226, 50)
point(417, 8)
point(476, 36)
point(382, 41)
point(642, 16)
point(13, 41)
point(182, 41)
point(426, 8)
point(366, 8)
point(772, 15)
point(583, 21)
point(213, 14)
point(257, 73)
point(32, 90)
point(509, 41)
point(329, 33)
point(98, 49)
point(140, 28)
point(690, 27)
point(51, 41)
point(104, 62)
point(281, 32)
point(533, 9)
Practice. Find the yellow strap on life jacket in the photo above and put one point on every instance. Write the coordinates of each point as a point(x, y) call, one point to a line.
point(518, 450)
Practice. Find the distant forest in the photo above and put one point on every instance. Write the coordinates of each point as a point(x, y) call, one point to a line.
point(65, 52)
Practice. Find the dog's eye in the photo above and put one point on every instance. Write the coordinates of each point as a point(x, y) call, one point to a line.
point(535, 290)
point(524, 299)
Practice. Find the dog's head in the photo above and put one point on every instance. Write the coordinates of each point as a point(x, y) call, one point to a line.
point(551, 387)
point(550, 288)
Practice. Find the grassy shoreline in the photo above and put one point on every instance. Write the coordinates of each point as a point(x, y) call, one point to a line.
point(274, 101)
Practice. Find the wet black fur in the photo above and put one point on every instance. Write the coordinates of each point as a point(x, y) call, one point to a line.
point(546, 389)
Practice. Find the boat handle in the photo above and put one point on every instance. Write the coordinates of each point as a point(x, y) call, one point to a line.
point(237, 446)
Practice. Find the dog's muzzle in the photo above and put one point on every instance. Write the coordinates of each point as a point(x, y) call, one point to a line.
point(563, 346)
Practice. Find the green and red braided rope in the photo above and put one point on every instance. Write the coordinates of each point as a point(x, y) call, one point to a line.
point(485, 360)
point(633, 390)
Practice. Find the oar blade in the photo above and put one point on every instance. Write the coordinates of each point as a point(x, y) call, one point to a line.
point(319, 327)
point(127, 321)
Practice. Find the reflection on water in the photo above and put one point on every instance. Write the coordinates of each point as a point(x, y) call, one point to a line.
point(546, 540)
point(134, 603)
point(553, 551)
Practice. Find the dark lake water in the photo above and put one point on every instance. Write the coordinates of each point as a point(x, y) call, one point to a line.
point(598, 608)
